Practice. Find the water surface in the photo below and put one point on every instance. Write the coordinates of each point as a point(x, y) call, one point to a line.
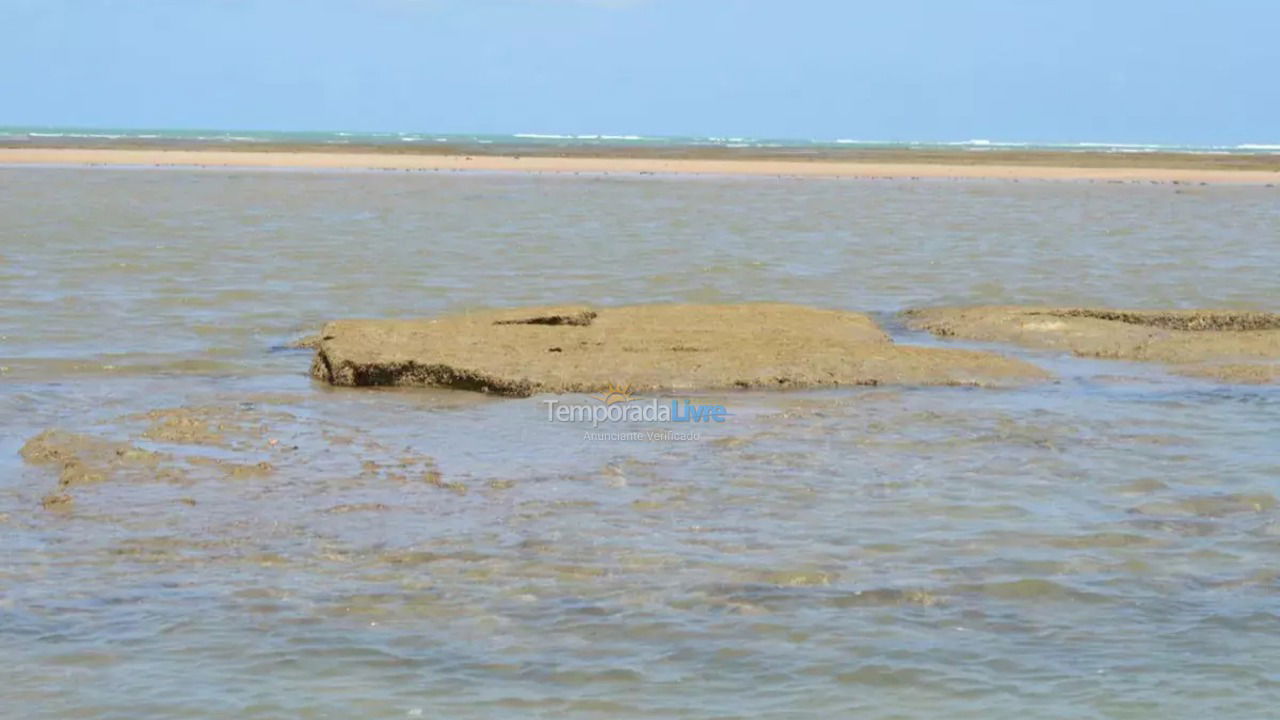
point(1099, 546)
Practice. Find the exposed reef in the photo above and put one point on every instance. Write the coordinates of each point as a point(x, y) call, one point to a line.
point(1231, 346)
point(645, 348)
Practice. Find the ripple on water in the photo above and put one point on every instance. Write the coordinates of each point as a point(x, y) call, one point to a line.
point(1097, 547)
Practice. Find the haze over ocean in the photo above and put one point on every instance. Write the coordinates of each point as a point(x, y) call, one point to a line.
point(1176, 72)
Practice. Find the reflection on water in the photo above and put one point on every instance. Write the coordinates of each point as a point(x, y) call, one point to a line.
point(1101, 546)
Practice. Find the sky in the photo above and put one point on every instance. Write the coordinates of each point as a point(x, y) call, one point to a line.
point(1160, 71)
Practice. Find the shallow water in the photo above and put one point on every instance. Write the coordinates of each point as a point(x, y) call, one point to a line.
point(1099, 546)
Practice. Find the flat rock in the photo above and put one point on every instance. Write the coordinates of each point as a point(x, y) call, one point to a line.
point(1242, 373)
point(646, 348)
point(1232, 346)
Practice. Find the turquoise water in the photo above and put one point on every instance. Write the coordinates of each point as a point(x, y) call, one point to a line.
point(1100, 546)
point(18, 134)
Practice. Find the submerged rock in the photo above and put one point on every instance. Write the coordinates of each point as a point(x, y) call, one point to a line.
point(1223, 344)
point(309, 342)
point(86, 459)
point(644, 348)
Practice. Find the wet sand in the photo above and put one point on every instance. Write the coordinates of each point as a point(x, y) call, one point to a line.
point(1006, 165)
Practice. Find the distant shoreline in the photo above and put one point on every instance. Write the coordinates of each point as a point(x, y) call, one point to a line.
point(790, 162)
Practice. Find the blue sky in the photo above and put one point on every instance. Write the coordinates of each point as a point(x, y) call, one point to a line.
point(1169, 71)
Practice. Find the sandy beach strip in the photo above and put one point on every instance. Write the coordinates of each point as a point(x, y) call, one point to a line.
point(1057, 166)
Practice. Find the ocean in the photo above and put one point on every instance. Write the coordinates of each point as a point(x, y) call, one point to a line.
point(22, 134)
point(263, 546)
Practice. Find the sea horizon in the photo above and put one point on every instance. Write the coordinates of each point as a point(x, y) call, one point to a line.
point(19, 134)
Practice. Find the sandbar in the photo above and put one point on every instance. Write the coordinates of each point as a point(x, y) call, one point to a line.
point(882, 164)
